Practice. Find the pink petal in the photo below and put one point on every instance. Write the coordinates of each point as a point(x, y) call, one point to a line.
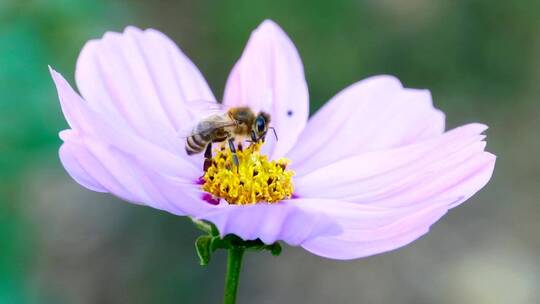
point(370, 230)
point(269, 76)
point(107, 157)
point(125, 176)
point(69, 155)
point(86, 121)
point(395, 195)
point(141, 79)
point(451, 165)
point(373, 114)
point(272, 222)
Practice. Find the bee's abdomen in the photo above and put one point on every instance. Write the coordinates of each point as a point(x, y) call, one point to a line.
point(195, 144)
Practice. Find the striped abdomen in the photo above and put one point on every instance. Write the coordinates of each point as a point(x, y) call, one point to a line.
point(212, 129)
point(196, 144)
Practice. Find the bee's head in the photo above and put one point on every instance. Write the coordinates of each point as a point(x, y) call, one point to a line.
point(260, 127)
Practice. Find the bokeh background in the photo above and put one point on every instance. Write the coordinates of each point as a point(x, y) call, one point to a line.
point(60, 243)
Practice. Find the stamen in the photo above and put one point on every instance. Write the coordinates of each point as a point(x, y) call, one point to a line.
point(255, 180)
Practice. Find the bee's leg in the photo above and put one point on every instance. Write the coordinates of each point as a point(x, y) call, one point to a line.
point(207, 157)
point(208, 151)
point(233, 151)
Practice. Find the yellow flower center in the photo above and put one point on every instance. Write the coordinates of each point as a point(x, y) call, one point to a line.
point(254, 180)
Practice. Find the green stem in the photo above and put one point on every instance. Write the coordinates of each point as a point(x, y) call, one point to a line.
point(234, 263)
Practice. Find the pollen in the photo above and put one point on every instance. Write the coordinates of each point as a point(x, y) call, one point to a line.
point(255, 180)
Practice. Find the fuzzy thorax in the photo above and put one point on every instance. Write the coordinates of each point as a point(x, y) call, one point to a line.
point(255, 180)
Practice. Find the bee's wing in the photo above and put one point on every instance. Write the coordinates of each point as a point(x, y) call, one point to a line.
point(200, 109)
point(207, 124)
point(187, 132)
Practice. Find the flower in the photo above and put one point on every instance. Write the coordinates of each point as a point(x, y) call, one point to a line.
point(373, 169)
point(254, 180)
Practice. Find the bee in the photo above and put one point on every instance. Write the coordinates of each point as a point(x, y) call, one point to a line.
point(226, 127)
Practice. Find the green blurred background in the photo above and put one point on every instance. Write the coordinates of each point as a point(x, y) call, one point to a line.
point(60, 243)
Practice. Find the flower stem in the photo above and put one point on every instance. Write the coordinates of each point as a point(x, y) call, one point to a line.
point(234, 263)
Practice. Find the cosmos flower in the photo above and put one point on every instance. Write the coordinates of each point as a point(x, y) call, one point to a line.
point(371, 171)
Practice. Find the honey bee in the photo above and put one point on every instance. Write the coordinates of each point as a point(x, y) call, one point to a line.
point(235, 122)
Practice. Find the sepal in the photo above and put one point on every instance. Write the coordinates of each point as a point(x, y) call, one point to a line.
point(205, 245)
point(203, 248)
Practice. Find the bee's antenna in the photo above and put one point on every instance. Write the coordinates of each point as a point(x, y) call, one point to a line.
point(274, 130)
